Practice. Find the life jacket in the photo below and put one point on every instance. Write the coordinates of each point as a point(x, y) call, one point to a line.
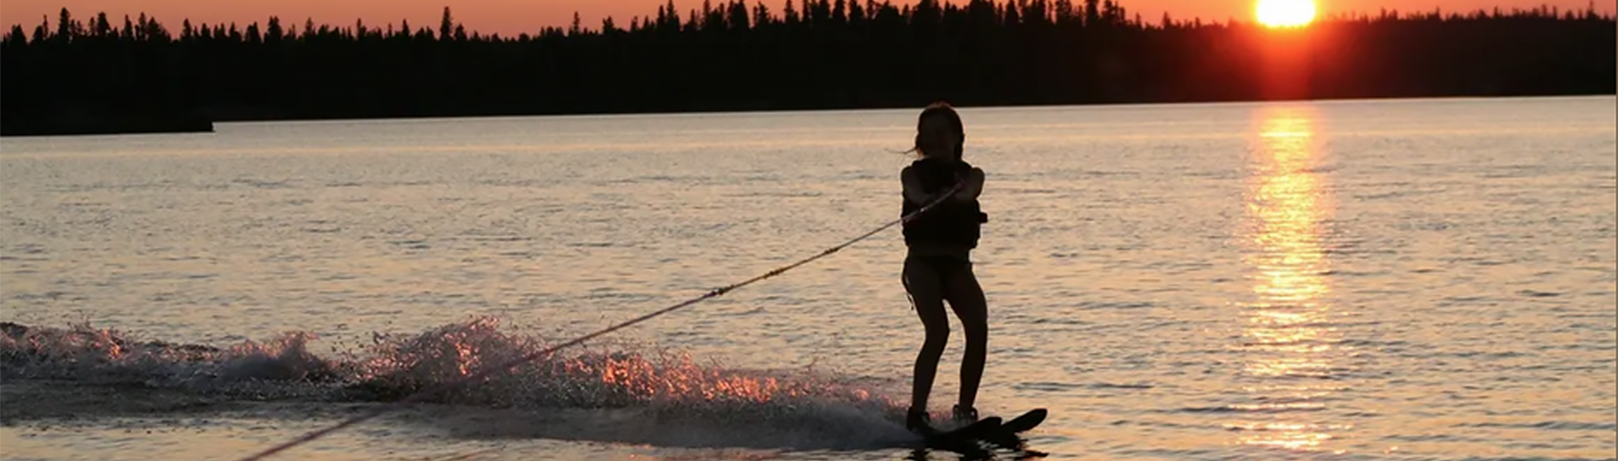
point(952, 222)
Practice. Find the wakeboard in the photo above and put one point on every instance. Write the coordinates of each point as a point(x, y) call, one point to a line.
point(993, 430)
point(1024, 422)
point(1005, 435)
point(961, 438)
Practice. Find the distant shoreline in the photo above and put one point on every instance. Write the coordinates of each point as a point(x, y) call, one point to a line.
point(97, 123)
point(208, 126)
point(956, 105)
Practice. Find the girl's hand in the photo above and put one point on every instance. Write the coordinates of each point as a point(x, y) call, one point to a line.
point(973, 184)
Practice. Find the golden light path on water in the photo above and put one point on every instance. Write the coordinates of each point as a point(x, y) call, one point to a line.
point(1287, 338)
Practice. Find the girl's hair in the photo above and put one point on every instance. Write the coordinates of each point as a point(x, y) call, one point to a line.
point(942, 109)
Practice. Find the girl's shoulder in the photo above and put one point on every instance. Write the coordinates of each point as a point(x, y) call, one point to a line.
point(907, 171)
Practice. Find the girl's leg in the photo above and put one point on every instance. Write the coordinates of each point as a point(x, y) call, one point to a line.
point(926, 295)
point(967, 300)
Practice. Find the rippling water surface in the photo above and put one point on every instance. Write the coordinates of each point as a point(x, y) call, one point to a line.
point(1423, 279)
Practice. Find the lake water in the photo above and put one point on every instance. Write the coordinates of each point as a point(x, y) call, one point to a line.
point(1388, 280)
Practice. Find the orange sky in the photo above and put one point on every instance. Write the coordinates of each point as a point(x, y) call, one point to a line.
point(509, 17)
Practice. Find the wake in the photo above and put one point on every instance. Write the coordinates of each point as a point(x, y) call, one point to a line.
point(619, 394)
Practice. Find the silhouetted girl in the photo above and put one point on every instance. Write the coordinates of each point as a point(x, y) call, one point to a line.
point(938, 265)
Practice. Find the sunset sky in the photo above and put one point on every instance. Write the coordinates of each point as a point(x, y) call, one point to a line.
point(509, 17)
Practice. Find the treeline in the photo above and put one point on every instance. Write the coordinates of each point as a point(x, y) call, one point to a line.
point(811, 54)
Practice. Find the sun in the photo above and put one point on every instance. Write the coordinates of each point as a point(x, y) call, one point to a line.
point(1285, 13)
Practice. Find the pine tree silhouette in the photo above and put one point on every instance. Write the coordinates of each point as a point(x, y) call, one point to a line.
point(809, 54)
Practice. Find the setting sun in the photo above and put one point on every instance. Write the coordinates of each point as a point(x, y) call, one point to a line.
point(1285, 13)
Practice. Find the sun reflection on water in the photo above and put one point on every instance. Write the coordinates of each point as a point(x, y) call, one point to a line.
point(1288, 338)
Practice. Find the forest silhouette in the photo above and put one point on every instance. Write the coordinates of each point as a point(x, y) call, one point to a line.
point(104, 75)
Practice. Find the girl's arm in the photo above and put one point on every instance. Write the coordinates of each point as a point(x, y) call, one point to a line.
point(973, 187)
point(912, 187)
point(913, 191)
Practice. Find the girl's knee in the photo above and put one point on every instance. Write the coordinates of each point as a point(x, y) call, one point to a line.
point(937, 337)
point(976, 334)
